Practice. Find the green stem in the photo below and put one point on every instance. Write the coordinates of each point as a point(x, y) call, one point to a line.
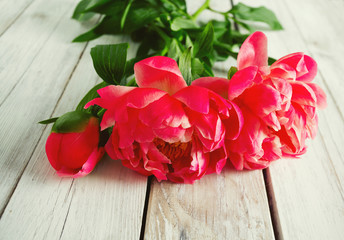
point(215, 11)
point(101, 112)
point(198, 12)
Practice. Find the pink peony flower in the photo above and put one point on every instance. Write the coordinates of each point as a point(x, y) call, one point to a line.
point(166, 128)
point(72, 147)
point(278, 104)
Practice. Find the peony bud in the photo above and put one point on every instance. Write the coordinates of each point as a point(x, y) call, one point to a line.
point(72, 147)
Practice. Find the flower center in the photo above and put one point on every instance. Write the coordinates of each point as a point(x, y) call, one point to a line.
point(173, 151)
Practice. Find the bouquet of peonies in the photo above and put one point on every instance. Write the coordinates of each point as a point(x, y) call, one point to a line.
point(181, 130)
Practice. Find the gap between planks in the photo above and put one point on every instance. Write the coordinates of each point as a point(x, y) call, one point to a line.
point(145, 207)
point(275, 220)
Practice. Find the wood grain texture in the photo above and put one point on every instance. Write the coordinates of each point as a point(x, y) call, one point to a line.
point(231, 205)
point(34, 71)
point(308, 192)
point(108, 204)
point(11, 11)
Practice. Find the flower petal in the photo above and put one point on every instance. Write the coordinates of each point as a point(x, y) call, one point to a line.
point(262, 99)
point(167, 111)
point(195, 98)
point(215, 84)
point(88, 166)
point(303, 94)
point(253, 51)
point(242, 80)
point(304, 66)
point(320, 95)
point(110, 99)
point(159, 72)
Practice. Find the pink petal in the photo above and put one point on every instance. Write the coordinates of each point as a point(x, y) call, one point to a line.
point(304, 66)
point(312, 68)
point(140, 169)
point(234, 123)
point(166, 111)
point(110, 98)
point(283, 70)
point(111, 146)
point(195, 98)
point(303, 94)
point(200, 160)
point(142, 97)
point(143, 133)
point(242, 80)
point(52, 148)
point(272, 149)
point(154, 166)
point(320, 95)
point(237, 160)
point(253, 163)
point(253, 51)
point(251, 137)
point(170, 134)
point(88, 166)
point(159, 72)
point(262, 99)
point(217, 160)
point(215, 84)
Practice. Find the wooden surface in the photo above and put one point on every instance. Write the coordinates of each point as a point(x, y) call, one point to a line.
point(43, 74)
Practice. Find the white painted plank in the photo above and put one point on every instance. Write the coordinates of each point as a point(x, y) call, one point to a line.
point(38, 68)
point(232, 205)
point(10, 11)
point(106, 204)
point(309, 191)
point(22, 42)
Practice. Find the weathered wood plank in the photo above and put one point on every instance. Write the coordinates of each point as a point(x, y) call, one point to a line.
point(231, 205)
point(11, 10)
point(34, 71)
point(30, 33)
point(308, 192)
point(106, 204)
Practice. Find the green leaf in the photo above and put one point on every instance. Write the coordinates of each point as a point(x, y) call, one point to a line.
point(231, 72)
point(79, 13)
point(174, 50)
point(259, 14)
point(107, 7)
point(175, 5)
point(197, 68)
point(220, 28)
point(182, 23)
point(139, 15)
point(106, 26)
point(204, 44)
point(92, 94)
point(48, 121)
point(271, 60)
point(185, 65)
point(109, 61)
point(71, 122)
point(189, 44)
point(125, 14)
